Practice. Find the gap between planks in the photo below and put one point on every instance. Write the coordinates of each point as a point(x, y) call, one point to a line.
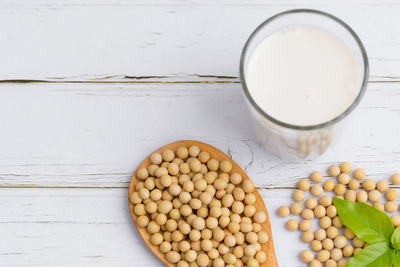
point(161, 79)
point(126, 187)
point(108, 187)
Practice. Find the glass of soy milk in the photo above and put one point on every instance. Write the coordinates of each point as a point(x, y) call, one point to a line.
point(303, 72)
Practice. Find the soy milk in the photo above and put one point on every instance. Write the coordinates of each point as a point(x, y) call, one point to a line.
point(302, 76)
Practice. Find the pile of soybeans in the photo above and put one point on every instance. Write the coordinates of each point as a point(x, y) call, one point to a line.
point(198, 212)
point(332, 242)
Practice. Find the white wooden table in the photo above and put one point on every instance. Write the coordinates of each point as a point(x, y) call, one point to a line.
point(89, 87)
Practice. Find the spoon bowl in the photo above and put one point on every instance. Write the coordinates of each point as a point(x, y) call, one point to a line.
point(267, 247)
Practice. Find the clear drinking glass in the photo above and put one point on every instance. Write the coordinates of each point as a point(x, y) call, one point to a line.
point(288, 140)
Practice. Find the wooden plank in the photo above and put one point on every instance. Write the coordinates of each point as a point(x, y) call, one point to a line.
point(92, 227)
point(87, 40)
point(95, 135)
point(139, 3)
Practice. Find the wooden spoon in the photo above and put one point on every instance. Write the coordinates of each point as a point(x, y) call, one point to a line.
point(268, 247)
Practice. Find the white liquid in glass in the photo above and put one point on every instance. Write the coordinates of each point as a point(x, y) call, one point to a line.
point(302, 76)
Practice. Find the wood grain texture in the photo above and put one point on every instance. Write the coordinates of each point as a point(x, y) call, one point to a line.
point(214, 153)
point(95, 135)
point(93, 227)
point(55, 40)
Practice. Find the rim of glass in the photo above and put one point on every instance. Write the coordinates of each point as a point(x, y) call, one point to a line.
point(316, 126)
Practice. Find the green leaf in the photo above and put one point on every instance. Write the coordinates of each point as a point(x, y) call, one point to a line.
point(396, 261)
point(368, 223)
point(376, 255)
point(395, 239)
